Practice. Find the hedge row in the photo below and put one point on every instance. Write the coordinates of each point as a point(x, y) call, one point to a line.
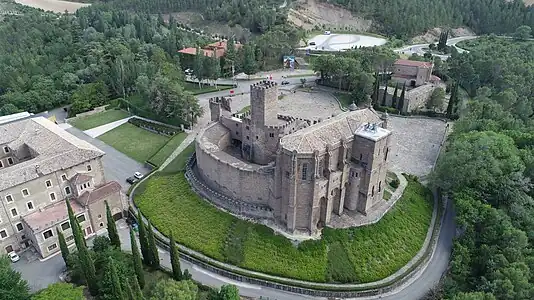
point(159, 128)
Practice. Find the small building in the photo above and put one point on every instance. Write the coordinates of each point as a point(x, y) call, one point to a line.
point(413, 73)
point(217, 49)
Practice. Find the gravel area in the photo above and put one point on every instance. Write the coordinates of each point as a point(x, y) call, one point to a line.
point(308, 105)
point(416, 144)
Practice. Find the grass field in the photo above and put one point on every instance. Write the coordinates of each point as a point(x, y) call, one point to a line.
point(160, 156)
point(195, 90)
point(362, 254)
point(178, 164)
point(98, 119)
point(137, 143)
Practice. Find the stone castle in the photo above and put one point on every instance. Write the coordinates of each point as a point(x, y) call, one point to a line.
point(293, 171)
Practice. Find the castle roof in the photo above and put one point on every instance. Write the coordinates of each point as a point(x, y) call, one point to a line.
point(330, 131)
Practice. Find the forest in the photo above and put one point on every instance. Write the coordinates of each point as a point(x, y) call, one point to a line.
point(487, 171)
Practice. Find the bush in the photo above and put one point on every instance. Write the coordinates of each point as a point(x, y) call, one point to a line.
point(394, 183)
point(156, 127)
point(389, 110)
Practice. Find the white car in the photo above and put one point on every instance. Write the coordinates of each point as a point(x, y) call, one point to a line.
point(138, 175)
point(14, 257)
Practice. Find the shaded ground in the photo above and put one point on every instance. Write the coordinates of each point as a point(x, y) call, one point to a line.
point(415, 145)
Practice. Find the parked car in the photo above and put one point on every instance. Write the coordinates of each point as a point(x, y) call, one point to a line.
point(131, 180)
point(13, 256)
point(312, 43)
point(138, 175)
point(285, 82)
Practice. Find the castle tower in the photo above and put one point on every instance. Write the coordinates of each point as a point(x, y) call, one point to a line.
point(215, 109)
point(264, 103)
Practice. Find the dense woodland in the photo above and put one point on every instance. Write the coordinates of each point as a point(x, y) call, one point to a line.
point(487, 171)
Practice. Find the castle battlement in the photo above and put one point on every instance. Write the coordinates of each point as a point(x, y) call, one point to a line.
point(263, 85)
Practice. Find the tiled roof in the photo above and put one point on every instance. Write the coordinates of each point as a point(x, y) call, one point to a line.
point(80, 178)
point(50, 215)
point(99, 193)
point(52, 149)
point(330, 131)
point(413, 63)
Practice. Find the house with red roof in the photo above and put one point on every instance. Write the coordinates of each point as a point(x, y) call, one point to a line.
point(217, 49)
point(413, 73)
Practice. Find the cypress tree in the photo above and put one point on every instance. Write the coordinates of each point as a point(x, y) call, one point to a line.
point(401, 99)
point(143, 240)
point(113, 234)
point(115, 288)
point(88, 266)
point(153, 249)
point(129, 292)
point(395, 96)
point(384, 96)
point(63, 246)
point(186, 275)
point(138, 294)
point(175, 260)
point(376, 89)
point(138, 265)
point(451, 101)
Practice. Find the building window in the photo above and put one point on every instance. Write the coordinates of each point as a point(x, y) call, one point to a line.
point(1, 165)
point(6, 149)
point(52, 247)
point(14, 212)
point(10, 160)
point(379, 186)
point(101, 224)
point(3, 234)
point(64, 177)
point(52, 196)
point(100, 216)
point(257, 137)
point(9, 198)
point(271, 134)
point(69, 238)
point(287, 174)
point(65, 226)
point(20, 227)
point(361, 156)
point(356, 174)
point(48, 234)
point(237, 132)
point(23, 237)
point(246, 127)
point(304, 174)
point(81, 218)
point(248, 138)
point(373, 191)
point(29, 205)
point(386, 156)
point(48, 183)
point(88, 183)
point(89, 168)
point(67, 190)
point(25, 192)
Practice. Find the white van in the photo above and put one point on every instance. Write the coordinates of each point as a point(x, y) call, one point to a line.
point(327, 32)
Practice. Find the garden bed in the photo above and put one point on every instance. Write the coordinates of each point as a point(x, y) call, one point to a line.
point(366, 254)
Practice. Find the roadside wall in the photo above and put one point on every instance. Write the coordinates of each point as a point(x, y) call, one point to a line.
point(88, 113)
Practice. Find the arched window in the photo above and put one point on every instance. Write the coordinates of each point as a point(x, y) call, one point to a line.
point(304, 173)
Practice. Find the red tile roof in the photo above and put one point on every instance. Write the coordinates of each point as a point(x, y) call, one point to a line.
point(80, 178)
point(218, 49)
point(51, 215)
point(99, 193)
point(413, 63)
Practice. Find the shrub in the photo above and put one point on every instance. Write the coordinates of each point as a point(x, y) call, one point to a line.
point(395, 183)
point(156, 127)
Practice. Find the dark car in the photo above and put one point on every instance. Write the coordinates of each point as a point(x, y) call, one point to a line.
point(285, 82)
point(131, 180)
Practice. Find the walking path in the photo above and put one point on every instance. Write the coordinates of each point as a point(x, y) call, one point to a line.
point(100, 130)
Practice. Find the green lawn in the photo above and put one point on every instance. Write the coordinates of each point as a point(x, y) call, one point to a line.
point(178, 164)
point(345, 98)
point(362, 254)
point(137, 143)
point(167, 150)
point(195, 90)
point(98, 119)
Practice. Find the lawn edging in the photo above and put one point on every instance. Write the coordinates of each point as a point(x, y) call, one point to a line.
point(417, 264)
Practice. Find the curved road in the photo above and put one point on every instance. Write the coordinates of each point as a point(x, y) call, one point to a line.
point(421, 49)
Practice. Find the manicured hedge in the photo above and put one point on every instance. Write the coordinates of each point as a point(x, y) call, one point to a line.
point(357, 255)
point(159, 128)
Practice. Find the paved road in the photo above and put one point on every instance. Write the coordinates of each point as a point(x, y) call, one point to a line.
point(421, 49)
point(117, 166)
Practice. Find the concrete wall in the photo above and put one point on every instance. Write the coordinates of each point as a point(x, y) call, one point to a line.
point(418, 97)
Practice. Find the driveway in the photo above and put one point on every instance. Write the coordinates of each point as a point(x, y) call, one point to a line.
point(39, 274)
point(117, 166)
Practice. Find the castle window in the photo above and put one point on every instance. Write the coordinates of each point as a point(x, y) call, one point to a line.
point(248, 138)
point(257, 137)
point(379, 186)
point(351, 173)
point(356, 174)
point(287, 174)
point(237, 132)
point(361, 156)
point(386, 156)
point(304, 174)
point(247, 127)
point(373, 191)
point(271, 134)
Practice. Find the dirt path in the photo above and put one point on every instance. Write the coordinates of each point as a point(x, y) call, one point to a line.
point(53, 5)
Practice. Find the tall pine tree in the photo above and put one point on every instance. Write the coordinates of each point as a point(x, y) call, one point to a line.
point(153, 249)
point(115, 287)
point(395, 96)
point(138, 265)
point(87, 264)
point(175, 260)
point(143, 239)
point(113, 234)
point(400, 107)
point(63, 247)
point(384, 96)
